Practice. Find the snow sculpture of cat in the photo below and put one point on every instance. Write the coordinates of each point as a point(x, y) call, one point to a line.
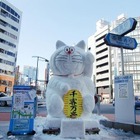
point(72, 69)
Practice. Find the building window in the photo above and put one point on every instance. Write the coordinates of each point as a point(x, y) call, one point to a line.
point(7, 43)
point(6, 72)
point(6, 83)
point(9, 9)
point(6, 62)
point(5, 14)
point(8, 34)
point(1, 50)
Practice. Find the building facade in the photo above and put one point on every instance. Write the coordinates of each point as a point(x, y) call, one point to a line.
point(10, 22)
point(102, 64)
point(108, 58)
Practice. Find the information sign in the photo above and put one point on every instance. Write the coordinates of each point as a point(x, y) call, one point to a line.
point(124, 28)
point(23, 110)
point(120, 41)
point(124, 99)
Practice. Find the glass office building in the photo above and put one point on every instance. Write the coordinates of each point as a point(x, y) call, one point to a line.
point(10, 22)
point(30, 72)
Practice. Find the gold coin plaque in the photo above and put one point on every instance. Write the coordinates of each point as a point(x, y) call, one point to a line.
point(73, 104)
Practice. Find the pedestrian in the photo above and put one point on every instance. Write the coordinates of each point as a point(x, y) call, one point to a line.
point(97, 103)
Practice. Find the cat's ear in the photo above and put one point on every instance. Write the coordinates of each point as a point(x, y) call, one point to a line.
point(81, 44)
point(59, 44)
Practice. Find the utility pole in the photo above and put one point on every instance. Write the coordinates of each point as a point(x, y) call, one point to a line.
point(38, 58)
point(36, 79)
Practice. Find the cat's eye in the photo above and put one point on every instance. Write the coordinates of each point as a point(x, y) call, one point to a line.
point(72, 50)
point(69, 50)
point(66, 49)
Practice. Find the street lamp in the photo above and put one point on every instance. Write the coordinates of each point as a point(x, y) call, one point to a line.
point(38, 58)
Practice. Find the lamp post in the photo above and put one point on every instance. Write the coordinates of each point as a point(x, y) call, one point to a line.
point(36, 71)
point(38, 58)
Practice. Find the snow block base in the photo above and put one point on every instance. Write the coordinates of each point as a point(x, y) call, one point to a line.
point(72, 128)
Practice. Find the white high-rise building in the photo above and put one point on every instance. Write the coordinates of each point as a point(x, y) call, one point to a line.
point(10, 22)
point(108, 58)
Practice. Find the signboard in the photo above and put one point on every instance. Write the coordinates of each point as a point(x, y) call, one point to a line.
point(23, 110)
point(73, 104)
point(124, 99)
point(123, 91)
point(120, 41)
point(127, 26)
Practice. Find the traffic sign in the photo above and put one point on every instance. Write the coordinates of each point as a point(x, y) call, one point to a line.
point(120, 41)
point(124, 28)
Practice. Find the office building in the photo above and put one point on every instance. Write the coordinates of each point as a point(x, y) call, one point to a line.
point(102, 65)
point(108, 58)
point(10, 22)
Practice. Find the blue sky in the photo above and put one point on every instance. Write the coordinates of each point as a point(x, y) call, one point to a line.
point(46, 21)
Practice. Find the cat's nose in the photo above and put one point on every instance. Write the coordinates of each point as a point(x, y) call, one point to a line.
point(69, 50)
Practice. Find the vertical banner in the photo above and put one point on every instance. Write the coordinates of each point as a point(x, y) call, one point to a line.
point(23, 110)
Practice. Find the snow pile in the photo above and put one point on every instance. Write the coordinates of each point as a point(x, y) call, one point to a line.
point(105, 133)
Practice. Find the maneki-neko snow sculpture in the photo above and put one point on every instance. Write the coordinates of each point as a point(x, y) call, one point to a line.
point(70, 91)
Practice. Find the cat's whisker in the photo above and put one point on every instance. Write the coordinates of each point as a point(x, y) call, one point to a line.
point(61, 57)
point(61, 60)
point(77, 61)
point(76, 55)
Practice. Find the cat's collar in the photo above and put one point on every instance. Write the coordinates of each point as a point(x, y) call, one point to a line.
point(68, 75)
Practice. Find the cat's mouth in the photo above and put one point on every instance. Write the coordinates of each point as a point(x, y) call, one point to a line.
point(69, 67)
